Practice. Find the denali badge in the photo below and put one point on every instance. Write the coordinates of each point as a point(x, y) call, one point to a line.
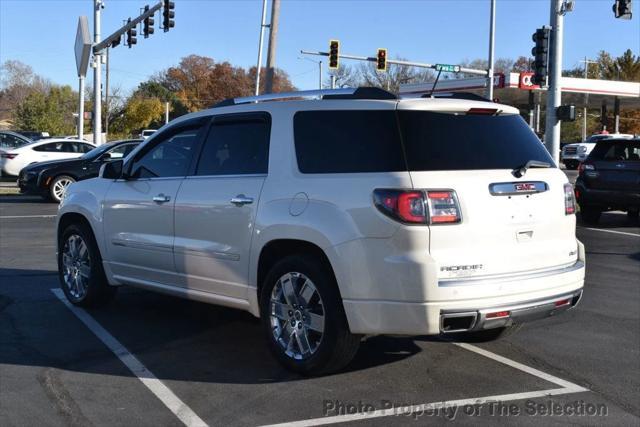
point(462, 270)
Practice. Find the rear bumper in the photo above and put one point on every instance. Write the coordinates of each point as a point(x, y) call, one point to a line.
point(607, 198)
point(525, 297)
point(500, 316)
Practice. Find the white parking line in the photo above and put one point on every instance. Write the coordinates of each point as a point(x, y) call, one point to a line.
point(157, 387)
point(26, 216)
point(566, 388)
point(612, 231)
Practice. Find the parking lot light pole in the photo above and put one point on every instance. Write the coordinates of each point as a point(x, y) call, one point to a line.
point(263, 25)
point(492, 46)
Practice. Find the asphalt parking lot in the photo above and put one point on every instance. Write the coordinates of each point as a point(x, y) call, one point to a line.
point(148, 359)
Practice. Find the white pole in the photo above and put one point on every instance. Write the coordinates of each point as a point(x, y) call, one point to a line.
point(166, 113)
point(333, 81)
point(586, 101)
point(554, 93)
point(97, 97)
point(81, 107)
point(492, 46)
point(263, 24)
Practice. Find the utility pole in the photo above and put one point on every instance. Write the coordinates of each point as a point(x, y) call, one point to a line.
point(586, 97)
point(106, 98)
point(97, 62)
point(263, 25)
point(333, 81)
point(166, 113)
point(492, 46)
point(271, 53)
point(554, 93)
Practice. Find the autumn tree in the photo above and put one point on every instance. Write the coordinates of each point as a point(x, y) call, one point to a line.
point(138, 114)
point(51, 112)
point(199, 82)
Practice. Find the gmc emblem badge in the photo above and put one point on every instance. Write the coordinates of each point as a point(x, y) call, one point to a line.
point(512, 188)
point(525, 186)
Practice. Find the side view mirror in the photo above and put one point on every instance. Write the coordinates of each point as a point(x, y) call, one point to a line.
point(111, 170)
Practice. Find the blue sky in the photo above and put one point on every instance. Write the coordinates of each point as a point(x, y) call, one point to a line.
point(41, 33)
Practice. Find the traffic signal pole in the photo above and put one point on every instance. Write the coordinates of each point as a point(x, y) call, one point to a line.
point(396, 62)
point(97, 73)
point(554, 93)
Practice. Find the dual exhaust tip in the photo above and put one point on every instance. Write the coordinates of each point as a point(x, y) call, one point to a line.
point(466, 321)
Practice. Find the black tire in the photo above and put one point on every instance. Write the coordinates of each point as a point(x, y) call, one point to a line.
point(633, 215)
point(54, 194)
point(338, 345)
point(98, 292)
point(487, 335)
point(590, 214)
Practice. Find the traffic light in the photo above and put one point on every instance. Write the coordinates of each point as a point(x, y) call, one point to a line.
point(167, 15)
point(334, 54)
point(116, 42)
point(540, 56)
point(622, 9)
point(131, 36)
point(148, 24)
point(381, 63)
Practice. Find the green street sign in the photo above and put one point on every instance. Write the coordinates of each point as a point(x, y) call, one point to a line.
point(448, 68)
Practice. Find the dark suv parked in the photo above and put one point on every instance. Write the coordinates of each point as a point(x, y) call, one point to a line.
point(609, 179)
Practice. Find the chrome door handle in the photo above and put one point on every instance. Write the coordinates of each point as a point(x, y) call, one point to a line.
point(161, 198)
point(241, 200)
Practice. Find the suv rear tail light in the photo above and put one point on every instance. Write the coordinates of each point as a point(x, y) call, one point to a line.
point(404, 206)
point(418, 207)
point(586, 167)
point(569, 200)
point(443, 207)
point(8, 156)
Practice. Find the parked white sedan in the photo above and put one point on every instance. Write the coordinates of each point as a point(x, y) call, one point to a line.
point(41, 151)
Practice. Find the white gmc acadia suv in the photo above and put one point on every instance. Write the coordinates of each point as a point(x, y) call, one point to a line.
point(352, 214)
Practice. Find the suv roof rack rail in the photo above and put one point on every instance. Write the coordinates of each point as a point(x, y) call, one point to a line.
point(343, 93)
point(458, 95)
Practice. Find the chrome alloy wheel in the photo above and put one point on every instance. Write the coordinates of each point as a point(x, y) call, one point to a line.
point(60, 186)
point(297, 315)
point(76, 265)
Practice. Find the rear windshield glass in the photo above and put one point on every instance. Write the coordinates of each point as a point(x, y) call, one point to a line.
point(373, 141)
point(440, 141)
point(347, 141)
point(616, 150)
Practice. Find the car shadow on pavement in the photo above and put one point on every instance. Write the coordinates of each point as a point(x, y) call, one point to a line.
point(175, 339)
point(610, 220)
point(21, 199)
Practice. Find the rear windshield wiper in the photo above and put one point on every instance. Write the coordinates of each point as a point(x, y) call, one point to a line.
point(521, 170)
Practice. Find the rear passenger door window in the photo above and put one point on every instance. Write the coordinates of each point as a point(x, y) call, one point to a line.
point(236, 146)
point(348, 141)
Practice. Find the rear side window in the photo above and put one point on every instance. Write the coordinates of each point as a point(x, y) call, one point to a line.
point(347, 141)
point(441, 141)
point(616, 151)
point(51, 147)
point(236, 147)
